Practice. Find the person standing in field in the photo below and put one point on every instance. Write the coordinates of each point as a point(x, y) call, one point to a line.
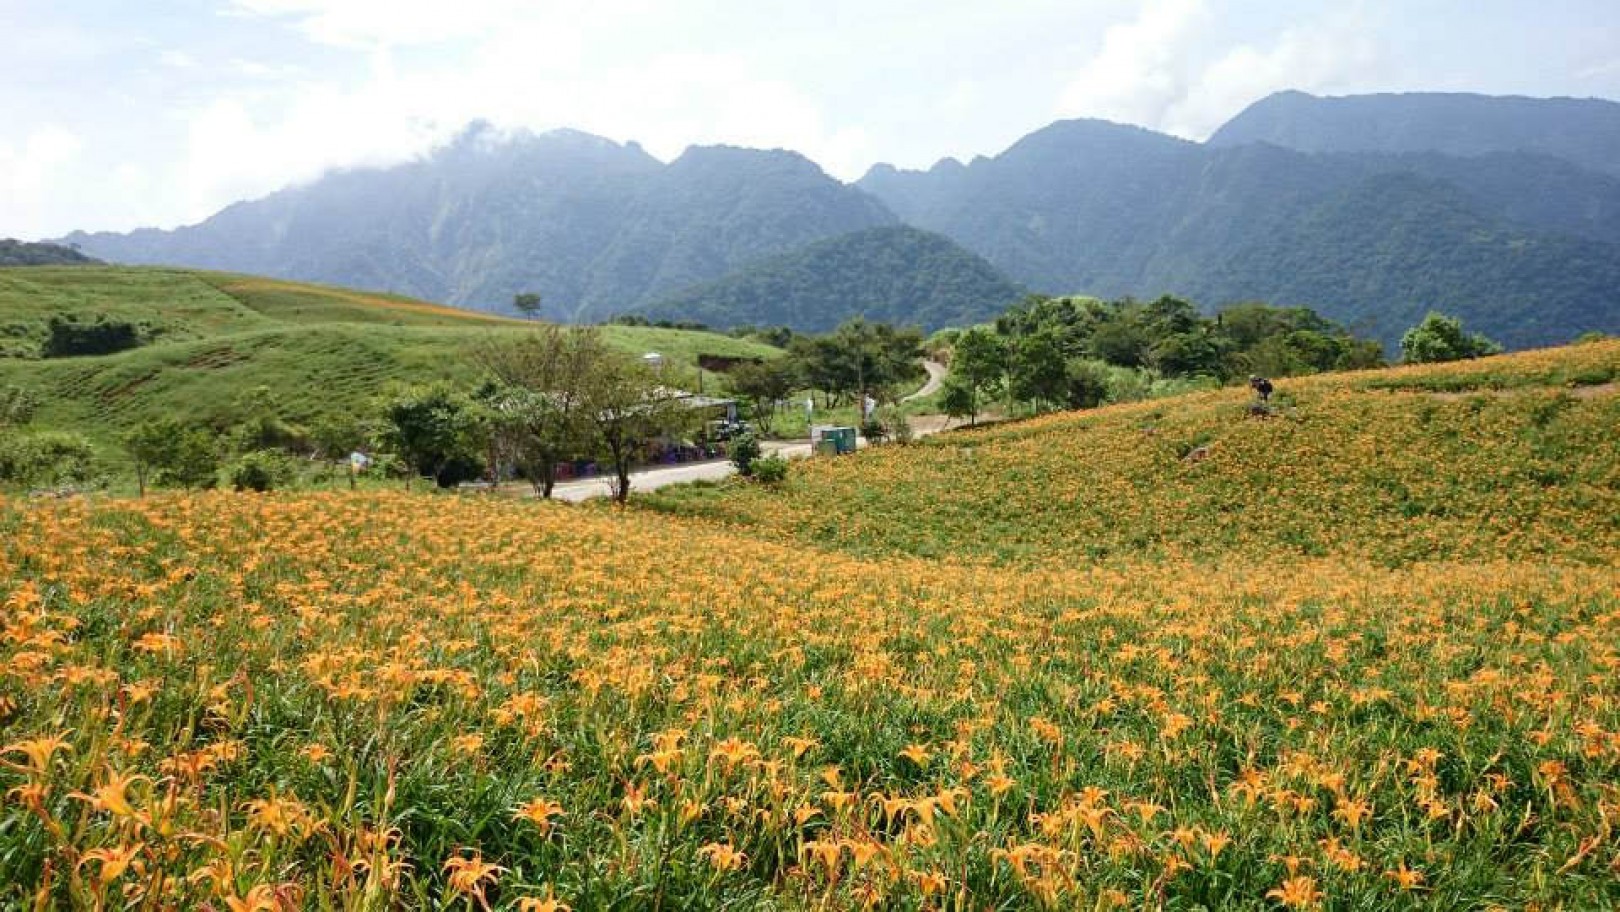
point(1261, 386)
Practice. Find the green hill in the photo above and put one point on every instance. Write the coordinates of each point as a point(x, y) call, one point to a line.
point(23, 253)
point(894, 274)
point(212, 337)
point(1511, 455)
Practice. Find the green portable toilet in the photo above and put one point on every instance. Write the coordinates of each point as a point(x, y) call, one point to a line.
point(842, 438)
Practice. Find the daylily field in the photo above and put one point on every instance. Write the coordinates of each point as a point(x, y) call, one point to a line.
point(1361, 655)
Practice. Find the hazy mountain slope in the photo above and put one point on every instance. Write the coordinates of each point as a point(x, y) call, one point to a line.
point(894, 274)
point(593, 226)
point(1525, 245)
point(1043, 210)
point(713, 210)
point(1385, 250)
point(1583, 131)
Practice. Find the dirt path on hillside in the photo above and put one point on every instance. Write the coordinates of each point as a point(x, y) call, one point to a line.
point(936, 379)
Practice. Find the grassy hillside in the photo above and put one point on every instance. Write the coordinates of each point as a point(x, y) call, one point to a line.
point(216, 336)
point(1512, 454)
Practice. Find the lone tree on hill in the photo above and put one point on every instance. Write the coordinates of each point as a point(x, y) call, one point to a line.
point(1441, 338)
point(527, 303)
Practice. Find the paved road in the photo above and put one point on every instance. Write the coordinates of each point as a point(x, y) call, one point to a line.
point(653, 479)
point(714, 470)
point(936, 377)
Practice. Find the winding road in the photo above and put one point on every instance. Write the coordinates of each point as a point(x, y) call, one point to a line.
point(936, 379)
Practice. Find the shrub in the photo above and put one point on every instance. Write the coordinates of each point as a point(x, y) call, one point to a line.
point(896, 426)
point(1441, 338)
point(873, 430)
point(45, 459)
point(191, 462)
point(771, 469)
point(744, 451)
point(68, 337)
point(263, 470)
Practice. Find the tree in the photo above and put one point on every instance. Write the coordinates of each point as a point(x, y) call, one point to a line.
point(149, 444)
point(171, 454)
point(958, 400)
point(882, 356)
point(762, 385)
point(1086, 383)
point(538, 412)
point(626, 406)
point(744, 450)
point(435, 431)
point(335, 437)
point(978, 370)
point(1037, 371)
point(527, 303)
point(1441, 338)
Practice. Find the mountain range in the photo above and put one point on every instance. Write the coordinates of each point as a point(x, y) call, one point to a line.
point(1372, 209)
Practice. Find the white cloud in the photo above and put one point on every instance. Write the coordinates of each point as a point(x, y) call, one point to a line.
point(528, 74)
point(1141, 70)
point(1167, 70)
point(29, 170)
point(403, 23)
point(1319, 56)
point(178, 60)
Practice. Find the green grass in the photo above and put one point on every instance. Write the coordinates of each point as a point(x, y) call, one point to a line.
point(320, 350)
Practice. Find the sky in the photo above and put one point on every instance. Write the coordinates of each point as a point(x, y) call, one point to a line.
point(118, 114)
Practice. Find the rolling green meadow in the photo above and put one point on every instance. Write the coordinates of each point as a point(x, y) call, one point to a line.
point(215, 338)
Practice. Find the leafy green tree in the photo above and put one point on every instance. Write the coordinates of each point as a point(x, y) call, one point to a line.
point(148, 445)
point(538, 412)
point(263, 470)
point(626, 406)
point(978, 370)
point(1037, 371)
point(744, 451)
point(762, 386)
point(1086, 383)
point(527, 303)
point(170, 453)
point(334, 438)
point(435, 430)
point(1442, 338)
point(958, 400)
point(884, 356)
point(193, 462)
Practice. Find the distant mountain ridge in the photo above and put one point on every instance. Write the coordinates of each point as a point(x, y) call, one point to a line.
point(1505, 211)
point(594, 226)
point(1584, 131)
